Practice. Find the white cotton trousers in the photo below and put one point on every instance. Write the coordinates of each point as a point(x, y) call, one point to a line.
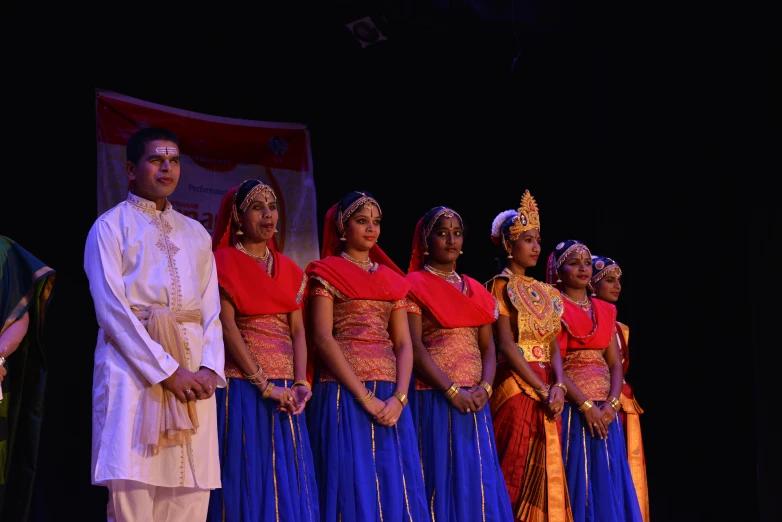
point(132, 501)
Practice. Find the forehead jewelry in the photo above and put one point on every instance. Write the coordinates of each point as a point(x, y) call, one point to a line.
point(363, 202)
point(166, 150)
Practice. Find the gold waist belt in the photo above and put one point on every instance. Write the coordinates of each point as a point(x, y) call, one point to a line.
point(535, 353)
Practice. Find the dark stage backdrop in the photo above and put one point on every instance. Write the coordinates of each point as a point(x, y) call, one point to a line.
point(598, 111)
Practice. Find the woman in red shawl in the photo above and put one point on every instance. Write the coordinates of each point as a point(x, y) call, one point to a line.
point(598, 475)
point(265, 456)
point(451, 318)
point(607, 285)
point(363, 438)
point(529, 394)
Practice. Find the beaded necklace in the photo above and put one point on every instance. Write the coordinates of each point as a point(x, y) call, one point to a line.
point(451, 277)
point(367, 265)
point(265, 260)
point(585, 305)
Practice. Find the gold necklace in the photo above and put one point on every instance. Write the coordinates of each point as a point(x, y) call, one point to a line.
point(584, 305)
point(451, 277)
point(239, 246)
point(367, 265)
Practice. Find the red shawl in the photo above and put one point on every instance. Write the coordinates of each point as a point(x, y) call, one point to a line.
point(385, 284)
point(578, 330)
point(253, 291)
point(450, 307)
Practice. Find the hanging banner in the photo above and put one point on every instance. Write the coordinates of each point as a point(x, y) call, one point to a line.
point(216, 154)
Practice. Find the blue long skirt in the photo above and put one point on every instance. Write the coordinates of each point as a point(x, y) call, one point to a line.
point(365, 472)
point(266, 462)
point(462, 474)
point(598, 474)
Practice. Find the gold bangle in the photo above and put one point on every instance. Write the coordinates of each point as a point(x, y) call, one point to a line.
point(585, 406)
point(452, 391)
point(259, 383)
point(561, 385)
point(256, 374)
point(402, 398)
point(486, 386)
point(268, 390)
point(615, 404)
point(302, 382)
point(366, 398)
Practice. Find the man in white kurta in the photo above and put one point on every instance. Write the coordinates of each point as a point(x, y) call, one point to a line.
point(137, 256)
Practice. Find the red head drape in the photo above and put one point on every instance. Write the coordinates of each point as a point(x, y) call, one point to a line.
point(224, 234)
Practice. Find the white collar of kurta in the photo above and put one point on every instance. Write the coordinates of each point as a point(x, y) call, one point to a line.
point(145, 203)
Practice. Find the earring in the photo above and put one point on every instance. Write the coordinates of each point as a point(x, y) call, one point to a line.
point(275, 230)
point(426, 253)
point(239, 231)
point(593, 294)
point(559, 280)
point(461, 252)
point(510, 256)
point(343, 238)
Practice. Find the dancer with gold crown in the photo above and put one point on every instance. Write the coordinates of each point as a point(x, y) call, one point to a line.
point(529, 390)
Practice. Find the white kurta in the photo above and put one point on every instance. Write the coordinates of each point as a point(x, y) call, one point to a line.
point(136, 256)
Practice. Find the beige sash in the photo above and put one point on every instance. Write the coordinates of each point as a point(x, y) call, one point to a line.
point(164, 420)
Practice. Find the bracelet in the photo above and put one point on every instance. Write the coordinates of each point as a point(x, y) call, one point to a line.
point(614, 403)
point(486, 386)
point(402, 398)
point(366, 398)
point(585, 406)
point(543, 390)
point(256, 374)
point(259, 383)
point(268, 390)
point(561, 385)
point(452, 391)
point(302, 382)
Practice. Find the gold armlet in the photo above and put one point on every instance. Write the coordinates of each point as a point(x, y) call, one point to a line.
point(267, 391)
point(366, 398)
point(561, 385)
point(486, 386)
point(452, 391)
point(302, 382)
point(585, 406)
point(402, 398)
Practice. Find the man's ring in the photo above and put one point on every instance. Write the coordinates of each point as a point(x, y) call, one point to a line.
point(290, 398)
point(594, 424)
point(2, 360)
point(468, 410)
point(187, 391)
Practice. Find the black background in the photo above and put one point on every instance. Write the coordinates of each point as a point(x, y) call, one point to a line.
point(628, 124)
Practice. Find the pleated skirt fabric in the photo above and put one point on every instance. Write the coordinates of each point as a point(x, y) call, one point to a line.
point(365, 472)
point(462, 474)
point(598, 475)
point(266, 464)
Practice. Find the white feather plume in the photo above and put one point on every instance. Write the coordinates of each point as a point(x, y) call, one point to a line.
point(497, 223)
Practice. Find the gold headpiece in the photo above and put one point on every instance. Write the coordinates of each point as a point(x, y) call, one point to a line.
point(527, 218)
point(363, 202)
point(262, 188)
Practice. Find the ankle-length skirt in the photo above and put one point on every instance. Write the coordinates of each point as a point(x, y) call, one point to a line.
point(598, 474)
point(365, 471)
point(462, 474)
point(266, 463)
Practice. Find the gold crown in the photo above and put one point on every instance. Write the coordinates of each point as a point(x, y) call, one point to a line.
point(527, 218)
